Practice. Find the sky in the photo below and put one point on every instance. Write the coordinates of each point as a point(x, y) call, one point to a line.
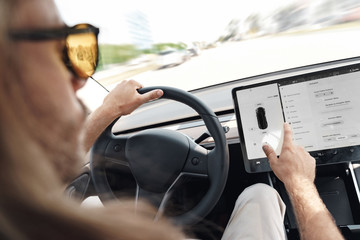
point(170, 21)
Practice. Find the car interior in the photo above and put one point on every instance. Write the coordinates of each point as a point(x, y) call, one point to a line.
point(336, 149)
point(192, 152)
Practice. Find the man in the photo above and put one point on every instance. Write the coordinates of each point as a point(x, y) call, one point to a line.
point(43, 141)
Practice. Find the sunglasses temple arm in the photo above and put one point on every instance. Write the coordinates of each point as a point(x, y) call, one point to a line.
point(99, 84)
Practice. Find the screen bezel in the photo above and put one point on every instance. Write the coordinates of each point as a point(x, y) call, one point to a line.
point(322, 156)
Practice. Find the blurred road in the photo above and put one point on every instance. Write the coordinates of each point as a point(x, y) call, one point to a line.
point(236, 60)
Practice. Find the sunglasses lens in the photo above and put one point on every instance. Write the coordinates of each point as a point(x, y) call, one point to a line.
point(83, 52)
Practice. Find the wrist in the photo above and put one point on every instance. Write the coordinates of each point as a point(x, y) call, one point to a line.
point(296, 183)
point(108, 112)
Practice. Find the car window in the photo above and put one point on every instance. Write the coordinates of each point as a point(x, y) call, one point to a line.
point(211, 42)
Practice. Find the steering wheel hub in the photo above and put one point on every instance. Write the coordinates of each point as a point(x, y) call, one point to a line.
point(156, 158)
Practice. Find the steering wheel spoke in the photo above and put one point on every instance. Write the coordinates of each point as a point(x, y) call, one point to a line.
point(197, 161)
point(158, 200)
point(115, 150)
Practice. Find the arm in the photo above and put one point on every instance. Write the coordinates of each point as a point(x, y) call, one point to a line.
point(122, 100)
point(296, 169)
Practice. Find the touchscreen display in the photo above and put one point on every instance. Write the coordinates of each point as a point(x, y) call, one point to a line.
point(324, 113)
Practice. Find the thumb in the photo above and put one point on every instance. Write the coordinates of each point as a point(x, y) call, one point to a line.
point(152, 95)
point(269, 152)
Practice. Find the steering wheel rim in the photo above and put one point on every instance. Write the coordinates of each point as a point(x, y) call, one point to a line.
point(217, 159)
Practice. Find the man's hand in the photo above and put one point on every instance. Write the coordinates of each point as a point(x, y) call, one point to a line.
point(294, 163)
point(296, 169)
point(124, 98)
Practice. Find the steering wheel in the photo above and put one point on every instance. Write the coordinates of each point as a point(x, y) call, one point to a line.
point(158, 158)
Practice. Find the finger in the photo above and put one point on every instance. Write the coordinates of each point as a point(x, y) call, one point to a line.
point(152, 95)
point(269, 152)
point(136, 84)
point(287, 134)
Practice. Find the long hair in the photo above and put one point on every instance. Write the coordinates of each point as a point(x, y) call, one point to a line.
point(32, 203)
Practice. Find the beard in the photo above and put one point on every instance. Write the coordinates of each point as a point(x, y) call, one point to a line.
point(60, 139)
point(67, 149)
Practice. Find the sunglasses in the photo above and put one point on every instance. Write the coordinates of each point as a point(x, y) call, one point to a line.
point(81, 48)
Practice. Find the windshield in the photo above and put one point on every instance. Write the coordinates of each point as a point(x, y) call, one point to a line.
point(194, 44)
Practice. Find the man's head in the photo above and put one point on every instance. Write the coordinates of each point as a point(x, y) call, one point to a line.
point(38, 98)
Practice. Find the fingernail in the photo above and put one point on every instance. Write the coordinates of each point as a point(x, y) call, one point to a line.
point(265, 146)
point(159, 93)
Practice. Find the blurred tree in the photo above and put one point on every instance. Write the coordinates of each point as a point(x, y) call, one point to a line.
point(253, 23)
point(232, 30)
point(164, 46)
point(112, 54)
point(287, 17)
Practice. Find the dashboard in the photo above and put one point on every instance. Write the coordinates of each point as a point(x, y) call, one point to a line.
point(231, 102)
